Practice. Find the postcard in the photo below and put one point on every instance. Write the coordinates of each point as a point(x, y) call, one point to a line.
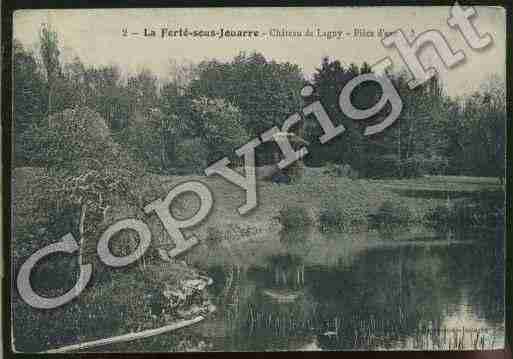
point(258, 179)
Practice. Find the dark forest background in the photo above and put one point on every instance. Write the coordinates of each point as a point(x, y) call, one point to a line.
point(203, 112)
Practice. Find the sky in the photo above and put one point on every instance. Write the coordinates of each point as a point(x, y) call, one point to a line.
point(95, 36)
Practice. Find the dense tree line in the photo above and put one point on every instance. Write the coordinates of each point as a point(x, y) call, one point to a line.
point(204, 112)
point(434, 134)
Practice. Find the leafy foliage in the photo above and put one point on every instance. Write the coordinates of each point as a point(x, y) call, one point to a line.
point(482, 209)
point(434, 134)
point(191, 156)
point(340, 170)
point(342, 213)
point(294, 217)
point(476, 132)
point(87, 171)
point(391, 214)
point(142, 139)
point(266, 92)
point(29, 101)
point(219, 125)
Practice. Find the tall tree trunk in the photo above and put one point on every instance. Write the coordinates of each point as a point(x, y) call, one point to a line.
point(162, 145)
point(49, 101)
point(399, 148)
point(81, 231)
point(49, 114)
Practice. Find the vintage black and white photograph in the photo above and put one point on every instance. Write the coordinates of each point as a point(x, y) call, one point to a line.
point(258, 179)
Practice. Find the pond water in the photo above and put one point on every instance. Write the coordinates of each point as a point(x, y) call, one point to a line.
point(419, 291)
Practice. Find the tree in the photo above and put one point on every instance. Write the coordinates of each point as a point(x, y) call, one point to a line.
point(328, 82)
point(63, 91)
point(50, 55)
point(494, 101)
point(142, 139)
point(420, 129)
point(478, 130)
point(98, 88)
point(29, 100)
point(142, 132)
point(219, 125)
point(266, 92)
point(88, 168)
point(413, 139)
point(175, 112)
point(142, 90)
point(182, 74)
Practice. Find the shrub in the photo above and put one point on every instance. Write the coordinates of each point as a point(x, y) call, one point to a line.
point(381, 166)
point(440, 215)
point(294, 236)
point(470, 211)
point(335, 214)
point(390, 166)
point(219, 125)
point(292, 217)
point(340, 170)
point(214, 236)
point(390, 214)
point(80, 137)
point(191, 156)
point(420, 165)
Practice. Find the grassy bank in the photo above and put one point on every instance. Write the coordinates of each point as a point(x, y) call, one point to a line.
point(325, 202)
point(337, 203)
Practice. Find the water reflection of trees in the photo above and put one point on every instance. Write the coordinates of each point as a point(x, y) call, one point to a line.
point(384, 298)
point(392, 293)
point(286, 272)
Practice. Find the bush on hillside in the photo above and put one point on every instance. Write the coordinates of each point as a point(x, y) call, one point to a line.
point(391, 214)
point(341, 170)
point(469, 211)
point(191, 157)
point(294, 217)
point(336, 214)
